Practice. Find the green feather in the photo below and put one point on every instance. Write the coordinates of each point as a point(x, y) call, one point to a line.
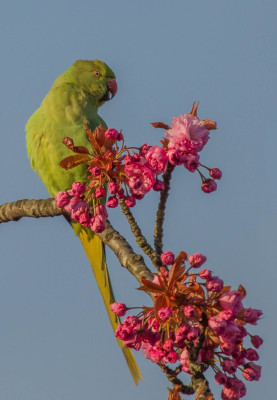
point(73, 100)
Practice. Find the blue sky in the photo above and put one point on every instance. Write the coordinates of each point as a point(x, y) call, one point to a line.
point(56, 341)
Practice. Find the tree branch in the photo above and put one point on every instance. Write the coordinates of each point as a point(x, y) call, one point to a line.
point(133, 262)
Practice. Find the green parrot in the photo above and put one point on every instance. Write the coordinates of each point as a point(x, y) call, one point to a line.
point(73, 100)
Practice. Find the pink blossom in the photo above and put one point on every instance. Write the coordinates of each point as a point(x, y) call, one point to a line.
point(175, 157)
point(214, 284)
point(168, 345)
point(231, 301)
point(197, 259)
point(130, 201)
point(252, 355)
point(230, 333)
point(217, 324)
point(123, 332)
point(112, 187)
point(204, 356)
point(120, 194)
point(133, 322)
point(181, 333)
point(252, 372)
point(172, 357)
point(187, 134)
point(209, 186)
point(101, 210)
point(77, 209)
point(157, 159)
point(62, 199)
point(220, 378)
point(165, 313)
point(112, 202)
point(227, 348)
point(78, 188)
point(111, 134)
point(251, 315)
point(100, 192)
point(144, 149)
point(226, 315)
point(189, 311)
point(168, 258)
point(257, 341)
point(193, 333)
point(158, 186)
point(191, 162)
point(229, 366)
point(215, 173)
point(95, 171)
point(119, 309)
point(205, 274)
point(98, 224)
point(141, 174)
point(84, 219)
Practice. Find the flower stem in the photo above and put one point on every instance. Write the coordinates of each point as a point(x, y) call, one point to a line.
point(158, 231)
point(140, 239)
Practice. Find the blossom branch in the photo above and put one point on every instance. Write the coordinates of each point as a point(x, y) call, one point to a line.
point(140, 239)
point(133, 262)
point(29, 208)
point(158, 231)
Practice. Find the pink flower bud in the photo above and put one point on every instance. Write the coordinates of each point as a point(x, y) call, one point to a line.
point(62, 199)
point(220, 378)
point(231, 301)
point(98, 224)
point(158, 186)
point(78, 188)
point(251, 315)
point(229, 366)
point(205, 274)
point(112, 202)
point(100, 192)
point(165, 313)
point(95, 171)
point(257, 341)
point(196, 260)
point(120, 194)
point(168, 258)
point(101, 210)
point(175, 157)
point(119, 309)
point(113, 187)
point(214, 284)
point(130, 201)
point(189, 311)
point(193, 333)
point(111, 134)
point(252, 372)
point(252, 355)
point(215, 173)
point(172, 357)
point(191, 162)
point(119, 136)
point(144, 149)
point(209, 186)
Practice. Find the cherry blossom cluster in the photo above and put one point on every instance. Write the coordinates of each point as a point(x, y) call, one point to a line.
point(194, 311)
point(117, 172)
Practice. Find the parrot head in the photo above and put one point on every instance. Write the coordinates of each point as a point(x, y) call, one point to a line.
point(96, 78)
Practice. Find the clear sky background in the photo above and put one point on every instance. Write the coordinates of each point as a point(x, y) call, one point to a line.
point(55, 339)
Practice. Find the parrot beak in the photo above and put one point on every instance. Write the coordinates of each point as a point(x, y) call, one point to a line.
point(112, 88)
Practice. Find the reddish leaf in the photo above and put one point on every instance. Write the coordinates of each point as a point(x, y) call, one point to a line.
point(173, 395)
point(74, 161)
point(99, 135)
point(160, 125)
point(242, 290)
point(210, 125)
point(150, 286)
point(76, 149)
point(225, 289)
point(160, 302)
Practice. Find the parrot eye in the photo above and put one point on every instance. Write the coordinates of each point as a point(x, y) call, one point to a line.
point(97, 73)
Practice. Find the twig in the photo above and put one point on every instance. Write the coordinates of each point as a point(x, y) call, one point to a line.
point(158, 231)
point(140, 239)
